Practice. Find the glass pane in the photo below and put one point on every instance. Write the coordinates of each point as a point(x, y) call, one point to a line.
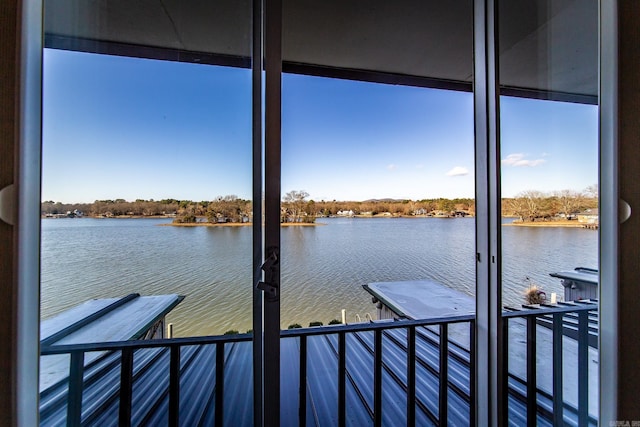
point(378, 187)
point(370, 163)
point(377, 183)
point(132, 141)
point(146, 189)
point(549, 172)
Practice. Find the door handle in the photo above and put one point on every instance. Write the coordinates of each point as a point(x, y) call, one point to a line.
point(270, 285)
point(8, 204)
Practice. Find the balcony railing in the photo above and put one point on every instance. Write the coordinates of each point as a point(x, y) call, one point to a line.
point(421, 369)
point(564, 320)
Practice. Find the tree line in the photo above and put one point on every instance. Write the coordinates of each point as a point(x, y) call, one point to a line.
point(298, 208)
point(532, 205)
point(116, 207)
point(404, 207)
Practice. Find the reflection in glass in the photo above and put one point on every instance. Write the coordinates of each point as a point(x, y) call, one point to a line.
point(549, 181)
point(385, 169)
point(148, 123)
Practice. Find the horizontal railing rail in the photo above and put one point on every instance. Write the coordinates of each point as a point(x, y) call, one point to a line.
point(565, 308)
point(441, 326)
point(138, 344)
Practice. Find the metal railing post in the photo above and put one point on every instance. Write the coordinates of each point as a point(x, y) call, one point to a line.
point(302, 400)
point(174, 386)
point(472, 373)
point(443, 374)
point(74, 399)
point(532, 385)
point(583, 368)
point(219, 418)
point(411, 376)
point(558, 399)
point(342, 370)
point(504, 406)
point(377, 379)
point(126, 380)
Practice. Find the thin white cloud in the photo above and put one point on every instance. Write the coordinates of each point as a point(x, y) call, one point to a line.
point(519, 159)
point(391, 167)
point(420, 166)
point(458, 171)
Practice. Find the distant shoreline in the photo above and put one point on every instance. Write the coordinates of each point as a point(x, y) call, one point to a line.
point(560, 223)
point(236, 224)
point(111, 217)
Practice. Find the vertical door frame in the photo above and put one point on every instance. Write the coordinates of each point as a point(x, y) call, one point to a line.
point(26, 241)
point(272, 191)
point(490, 393)
point(619, 220)
point(608, 213)
point(257, 65)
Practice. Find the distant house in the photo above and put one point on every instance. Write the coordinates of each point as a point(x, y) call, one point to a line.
point(590, 216)
point(74, 214)
point(345, 213)
point(569, 217)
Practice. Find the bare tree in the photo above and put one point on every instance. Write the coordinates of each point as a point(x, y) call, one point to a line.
point(568, 201)
point(517, 207)
point(229, 208)
point(591, 191)
point(294, 202)
point(534, 203)
point(530, 205)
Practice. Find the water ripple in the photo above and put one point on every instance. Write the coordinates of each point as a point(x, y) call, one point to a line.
point(323, 268)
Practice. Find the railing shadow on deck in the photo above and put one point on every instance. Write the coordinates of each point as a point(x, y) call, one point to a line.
point(429, 363)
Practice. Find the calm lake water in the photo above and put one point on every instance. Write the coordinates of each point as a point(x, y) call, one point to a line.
point(323, 267)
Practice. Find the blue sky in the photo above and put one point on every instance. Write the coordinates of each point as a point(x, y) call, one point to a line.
point(128, 128)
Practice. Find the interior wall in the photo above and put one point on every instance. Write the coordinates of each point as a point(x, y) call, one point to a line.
point(628, 406)
point(8, 132)
point(629, 157)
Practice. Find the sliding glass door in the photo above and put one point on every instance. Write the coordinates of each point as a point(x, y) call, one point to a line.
point(377, 179)
point(549, 164)
point(148, 165)
point(279, 163)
